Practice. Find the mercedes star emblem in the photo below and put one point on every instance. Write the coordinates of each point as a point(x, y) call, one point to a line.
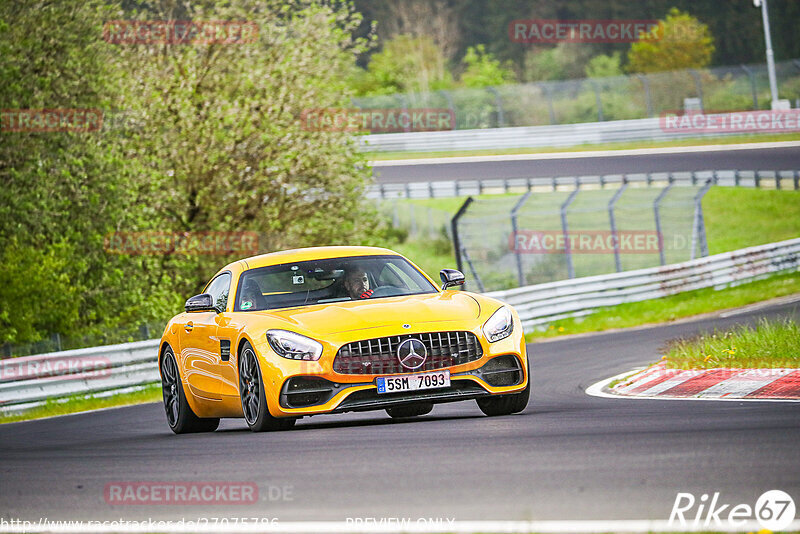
point(412, 353)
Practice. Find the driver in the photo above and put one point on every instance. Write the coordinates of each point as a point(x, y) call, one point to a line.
point(356, 282)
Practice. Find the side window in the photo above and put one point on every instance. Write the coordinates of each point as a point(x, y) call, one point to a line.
point(218, 288)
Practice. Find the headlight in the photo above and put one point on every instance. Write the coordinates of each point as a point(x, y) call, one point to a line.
point(499, 325)
point(294, 346)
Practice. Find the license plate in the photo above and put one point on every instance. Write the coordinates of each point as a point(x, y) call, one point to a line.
point(395, 384)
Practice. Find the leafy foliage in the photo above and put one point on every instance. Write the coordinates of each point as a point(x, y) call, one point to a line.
point(214, 143)
point(685, 43)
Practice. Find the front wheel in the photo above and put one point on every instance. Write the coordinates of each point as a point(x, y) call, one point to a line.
point(507, 404)
point(254, 401)
point(180, 417)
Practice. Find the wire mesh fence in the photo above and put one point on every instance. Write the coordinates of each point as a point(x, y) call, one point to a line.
point(720, 89)
point(517, 240)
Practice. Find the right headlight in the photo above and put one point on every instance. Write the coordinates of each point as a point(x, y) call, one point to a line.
point(293, 346)
point(499, 326)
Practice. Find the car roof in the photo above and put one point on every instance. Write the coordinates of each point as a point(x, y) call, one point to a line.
point(311, 253)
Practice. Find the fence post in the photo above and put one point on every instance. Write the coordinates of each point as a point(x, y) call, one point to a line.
point(404, 106)
point(549, 97)
point(699, 86)
point(454, 228)
point(699, 226)
point(514, 231)
point(659, 234)
point(736, 178)
point(753, 88)
point(647, 98)
point(796, 180)
point(498, 102)
point(757, 179)
point(612, 220)
point(565, 229)
point(598, 100)
point(477, 278)
point(452, 107)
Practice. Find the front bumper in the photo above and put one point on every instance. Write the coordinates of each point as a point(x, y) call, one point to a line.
point(301, 388)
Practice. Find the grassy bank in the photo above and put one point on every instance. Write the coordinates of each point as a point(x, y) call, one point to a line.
point(673, 307)
point(82, 403)
point(770, 344)
point(730, 140)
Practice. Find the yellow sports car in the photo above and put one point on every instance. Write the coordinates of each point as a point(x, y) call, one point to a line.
point(280, 336)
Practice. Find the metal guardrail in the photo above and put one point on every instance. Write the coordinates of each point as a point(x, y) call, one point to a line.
point(785, 179)
point(31, 381)
point(34, 380)
point(561, 135)
point(544, 303)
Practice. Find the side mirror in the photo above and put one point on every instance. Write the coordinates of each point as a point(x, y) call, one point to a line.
point(451, 277)
point(200, 303)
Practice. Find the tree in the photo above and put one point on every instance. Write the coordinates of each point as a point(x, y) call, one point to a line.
point(483, 70)
point(405, 64)
point(685, 43)
point(216, 144)
point(604, 66)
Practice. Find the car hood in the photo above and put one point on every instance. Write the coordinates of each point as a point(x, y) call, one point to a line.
point(363, 314)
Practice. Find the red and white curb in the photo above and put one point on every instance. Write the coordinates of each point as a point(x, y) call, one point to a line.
point(658, 382)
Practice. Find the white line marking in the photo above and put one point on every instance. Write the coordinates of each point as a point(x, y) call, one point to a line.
point(585, 154)
point(760, 305)
point(427, 527)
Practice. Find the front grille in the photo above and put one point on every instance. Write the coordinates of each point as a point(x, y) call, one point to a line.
point(379, 356)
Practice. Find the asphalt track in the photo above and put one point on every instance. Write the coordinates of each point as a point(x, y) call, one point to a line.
point(783, 158)
point(567, 456)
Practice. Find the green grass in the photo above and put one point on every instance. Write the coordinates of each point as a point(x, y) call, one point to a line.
point(378, 156)
point(742, 217)
point(82, 403)
point(770, 344)
point(673, 307)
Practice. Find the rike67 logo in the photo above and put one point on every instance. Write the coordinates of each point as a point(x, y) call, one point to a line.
point(774, 510)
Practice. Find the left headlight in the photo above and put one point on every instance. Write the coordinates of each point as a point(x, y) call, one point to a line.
point(294, 346)
point(499, 325)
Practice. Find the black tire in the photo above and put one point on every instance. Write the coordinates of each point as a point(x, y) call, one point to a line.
point(412, 410)
point(180, 417)
point(251, 391)
point(507, 404)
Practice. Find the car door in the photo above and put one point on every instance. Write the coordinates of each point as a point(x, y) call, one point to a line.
point(201, 349)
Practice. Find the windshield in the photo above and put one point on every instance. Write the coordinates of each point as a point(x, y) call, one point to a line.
point(329, 280)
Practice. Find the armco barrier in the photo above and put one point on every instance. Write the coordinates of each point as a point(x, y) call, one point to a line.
point(783, 179)
point(31, 381)
point(561, 135)
point(548, 302)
